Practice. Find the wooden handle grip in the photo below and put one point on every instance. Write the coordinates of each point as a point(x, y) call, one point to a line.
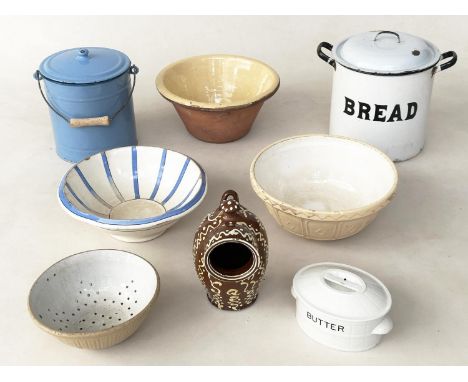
point(97, 121)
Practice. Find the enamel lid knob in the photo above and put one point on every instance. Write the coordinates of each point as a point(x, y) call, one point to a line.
point(342, 291)
point(386, 52)
point(84, 65)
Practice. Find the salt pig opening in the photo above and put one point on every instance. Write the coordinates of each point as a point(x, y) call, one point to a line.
point(230, 252)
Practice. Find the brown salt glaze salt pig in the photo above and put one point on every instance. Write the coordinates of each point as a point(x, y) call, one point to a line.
point(217, 97)
point(230, 252)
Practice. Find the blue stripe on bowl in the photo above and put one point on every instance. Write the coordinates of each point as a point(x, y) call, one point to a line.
point(90, 188)
point(186, 196)
point(134, 222)
point(160, 174)
point(136, 186)
point(79, 200)
point(105, 162)
point(179, 179)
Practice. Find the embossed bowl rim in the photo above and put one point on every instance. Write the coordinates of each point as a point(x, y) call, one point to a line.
point(348, 214)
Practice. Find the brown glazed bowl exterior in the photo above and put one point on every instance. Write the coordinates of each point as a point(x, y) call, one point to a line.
point(218, 97)
point(218, 126)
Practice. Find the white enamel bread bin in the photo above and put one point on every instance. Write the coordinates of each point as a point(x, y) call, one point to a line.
point(341, 306)
point(382, 89)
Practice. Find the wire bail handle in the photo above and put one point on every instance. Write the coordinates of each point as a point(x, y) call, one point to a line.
point(92, 121)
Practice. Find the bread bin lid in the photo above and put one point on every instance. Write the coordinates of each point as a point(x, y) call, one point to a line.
point(386, 52)
point(84, 65)
point(342, 291)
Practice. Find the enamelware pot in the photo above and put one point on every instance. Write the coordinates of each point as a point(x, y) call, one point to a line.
point(382, 89)
point(94, 299)
point(230, 251)
point(217, 97)
point(323, 187)
point(89, 94)
point(341, 306)
point(136, 193)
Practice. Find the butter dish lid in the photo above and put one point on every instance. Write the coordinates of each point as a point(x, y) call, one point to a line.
point(84, 65)
point(342, 291)
point(386, 52)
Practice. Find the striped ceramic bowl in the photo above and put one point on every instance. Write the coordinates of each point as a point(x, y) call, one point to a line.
point(135, 192)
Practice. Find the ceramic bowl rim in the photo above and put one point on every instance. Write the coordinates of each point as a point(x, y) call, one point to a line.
point(302, 299)
point(207, 106)
point(101, 332)
point(341, 214)
point(137, 224)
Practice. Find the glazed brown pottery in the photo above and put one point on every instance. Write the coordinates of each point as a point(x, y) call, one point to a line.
point(230, 252)
point(218, 126)
point(218, 96)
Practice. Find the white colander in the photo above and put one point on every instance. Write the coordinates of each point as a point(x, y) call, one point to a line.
point(94, 299)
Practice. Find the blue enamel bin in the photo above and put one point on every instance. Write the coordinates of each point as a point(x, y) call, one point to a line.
point(89, 94)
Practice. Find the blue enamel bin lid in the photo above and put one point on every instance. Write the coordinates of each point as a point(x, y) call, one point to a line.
point(84, 65)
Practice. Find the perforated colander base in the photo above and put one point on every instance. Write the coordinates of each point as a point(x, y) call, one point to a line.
point(92, 291)
point(93, 309)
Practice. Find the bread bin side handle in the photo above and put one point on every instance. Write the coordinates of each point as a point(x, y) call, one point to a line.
point(323, 56)
point(445, 65)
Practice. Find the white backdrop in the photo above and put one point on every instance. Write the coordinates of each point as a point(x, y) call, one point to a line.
point(417, 246)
